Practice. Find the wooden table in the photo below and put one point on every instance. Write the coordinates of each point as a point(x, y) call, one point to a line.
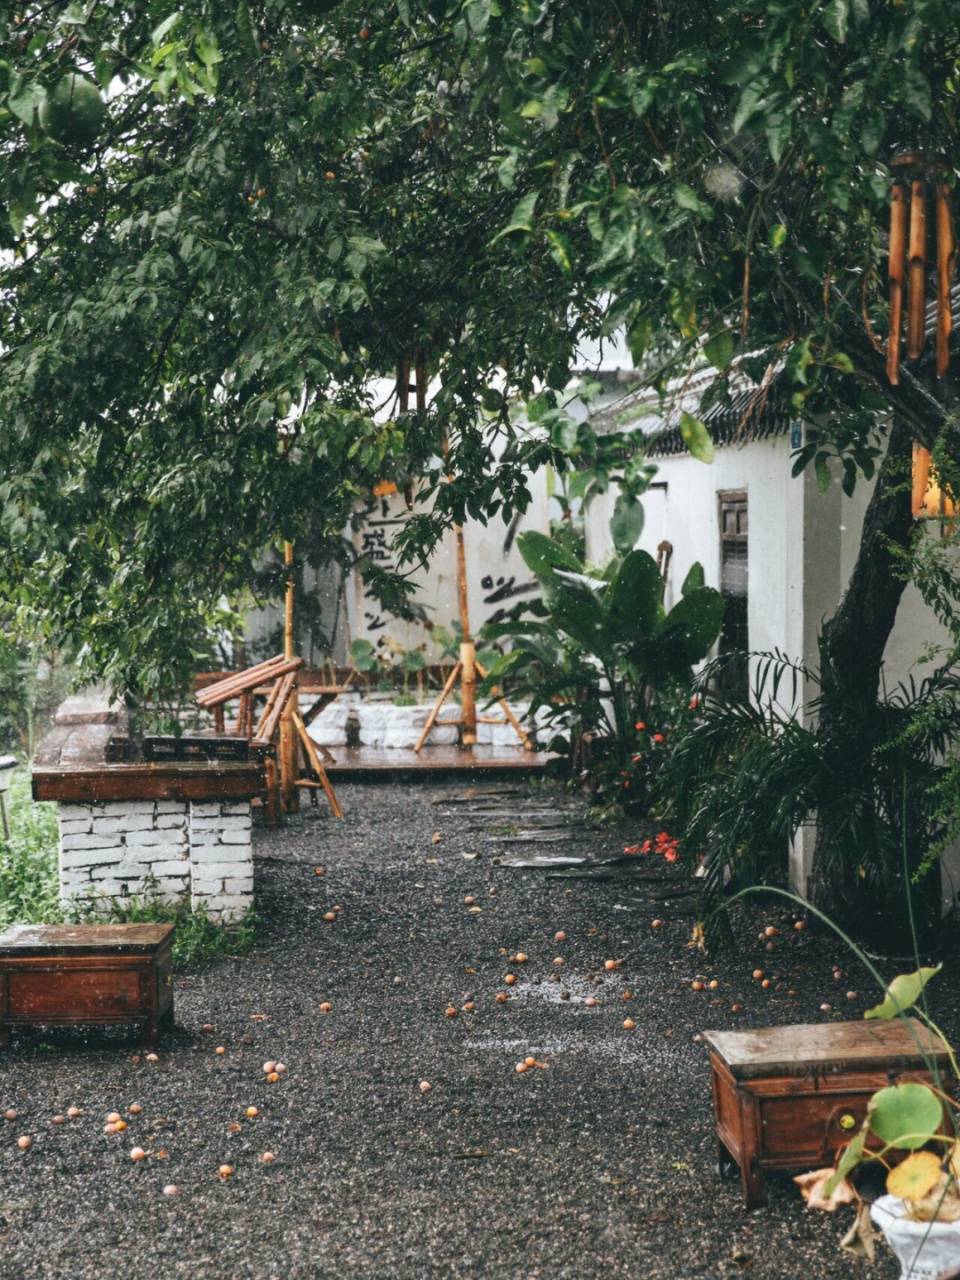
point(91, 973)
point(790, 1097)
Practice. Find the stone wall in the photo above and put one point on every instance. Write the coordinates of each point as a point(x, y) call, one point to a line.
point(173, 848)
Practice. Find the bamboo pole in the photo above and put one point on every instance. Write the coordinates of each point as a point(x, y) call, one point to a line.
point(921, 480)
point(309, 748)
point(895, 274)
point(916, 277)
point(511, 718)
point(289, 742)
point(946, 259)
point(435, 711)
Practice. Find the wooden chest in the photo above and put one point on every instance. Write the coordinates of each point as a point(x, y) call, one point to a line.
point(790, 1097)
point(96, 973)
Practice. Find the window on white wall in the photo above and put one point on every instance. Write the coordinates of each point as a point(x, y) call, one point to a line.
point(735, 636)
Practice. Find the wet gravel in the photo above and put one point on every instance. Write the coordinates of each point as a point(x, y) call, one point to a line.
point(599, 1164)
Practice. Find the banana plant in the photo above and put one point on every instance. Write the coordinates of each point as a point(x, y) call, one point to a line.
point(600, 652)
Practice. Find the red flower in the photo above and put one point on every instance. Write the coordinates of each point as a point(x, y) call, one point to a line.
point(640, 725)
point(645, 847)
point(671, 854)
point(694, 703)
point(637, 759)
point(658, 737)
point(632, 848)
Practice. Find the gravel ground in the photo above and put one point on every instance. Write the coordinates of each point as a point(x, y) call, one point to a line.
point(601, 1164)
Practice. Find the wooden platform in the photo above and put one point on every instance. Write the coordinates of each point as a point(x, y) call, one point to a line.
point(358, 762)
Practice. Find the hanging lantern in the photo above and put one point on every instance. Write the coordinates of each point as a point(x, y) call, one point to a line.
point(907, 270)
point(929, 501)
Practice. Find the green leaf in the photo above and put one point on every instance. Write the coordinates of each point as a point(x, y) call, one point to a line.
point(522, 217)
point(626, 524)
point(478, 15)
point(694, 623)
point(835, 16)
point(696, 437)
point(246, 30)
point(902, 993)
point(822, 468)
point(905, 1116)
point(694, 579)
point(560, 251)
point(632, 602)
point(777, 237)
point(577, 612)
point(542, 555)
point(719, 349)
point(915, 93)
point(849, 1161)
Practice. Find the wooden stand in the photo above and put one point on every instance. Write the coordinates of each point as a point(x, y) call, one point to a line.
point(791, 1097)
point(69, 974)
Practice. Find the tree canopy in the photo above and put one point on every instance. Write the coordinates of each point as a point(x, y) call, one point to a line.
point(278, 201)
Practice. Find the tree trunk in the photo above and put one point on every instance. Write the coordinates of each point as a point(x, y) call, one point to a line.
point(852, 645)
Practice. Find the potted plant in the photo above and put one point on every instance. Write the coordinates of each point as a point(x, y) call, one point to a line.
point(920, 1214)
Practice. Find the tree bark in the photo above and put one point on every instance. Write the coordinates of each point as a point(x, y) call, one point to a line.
point(852, 645)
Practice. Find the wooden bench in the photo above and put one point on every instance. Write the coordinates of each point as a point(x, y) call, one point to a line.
point(790, 1097)
point(90, 973)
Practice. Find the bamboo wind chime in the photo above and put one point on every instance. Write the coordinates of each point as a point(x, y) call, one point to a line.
point(909, 235)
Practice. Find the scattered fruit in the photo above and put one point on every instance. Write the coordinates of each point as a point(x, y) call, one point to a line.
point(765, 983)
point(628, 1024)
point(267, 1158)
point(225, 1171)
point(113, 1117)
point(135, 1108)
point(24, 1143)
point(520, 957)
point(120, 1126)
point(825, 1008)
point(10, 1114)
point(73, 1112)
point(713, 984)
point(521, 1067)
point(770, 947)
point(697, 985)
point(736, 1007)
point(152, 1057)
point(531, 1061)
point(510, 979)
point(207, 1026)
point(318, 871)
point(219, 1049)
point(469, 1006)
point(627, 995)
point(560, 936)
point(171, 1190)
point(758, 973)
point(137, 1153)
point(558, 960)
point(282, 1070)
point(564, 995)
point(771, 931)
point(273, 1077)
point(329, 915)
point(799, 926)
point(610, 965)
point(57, 1120)
point(657, 924)
point(851, 995)
point(501, 997)
point(235, 1128)
point(469, 900)
point(326, 1007)
point(591, 1002)
point(451, 1011)
point(425, 1086)
point(109, 1128)
point(252, 1111)
point(268, 1067)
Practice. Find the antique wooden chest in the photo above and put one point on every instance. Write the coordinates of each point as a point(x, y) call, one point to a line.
point(790, 1097)
point(91, 973)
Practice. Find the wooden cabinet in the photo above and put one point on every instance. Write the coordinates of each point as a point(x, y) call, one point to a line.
point(59, 974)
point(791, 1097)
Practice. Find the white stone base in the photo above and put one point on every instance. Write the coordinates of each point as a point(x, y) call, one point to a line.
point(165, 849)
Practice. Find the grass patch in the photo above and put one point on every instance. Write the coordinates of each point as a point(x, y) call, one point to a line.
point(29, 882)
point(30, 889)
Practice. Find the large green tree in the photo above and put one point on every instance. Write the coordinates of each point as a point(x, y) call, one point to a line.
point(284, 198)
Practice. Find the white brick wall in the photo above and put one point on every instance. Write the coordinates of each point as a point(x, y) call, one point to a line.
point(221, 855)
point(122, 848)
